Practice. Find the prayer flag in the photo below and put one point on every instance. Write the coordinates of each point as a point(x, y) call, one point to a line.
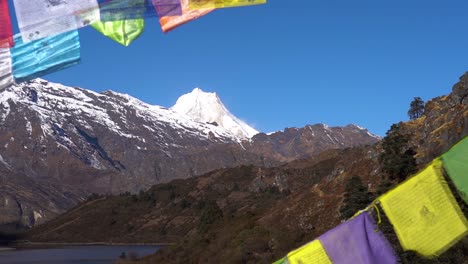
point(456, 165)
point(168, 7)
point(168, 23)
point(42, 18)
point(312, 253)
point(6, 32)
point(197, 4)
point(281, 261)
point(47, 55)
point(117, 10)
point(358, 241)
point(6, 77)
point(123, 31)
point(424, 213)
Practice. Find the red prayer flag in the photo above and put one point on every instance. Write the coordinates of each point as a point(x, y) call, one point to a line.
point(6, 31)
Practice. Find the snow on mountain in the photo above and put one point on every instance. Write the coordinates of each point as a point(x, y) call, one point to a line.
point(55, 103)
point(208, 108)
point(365, 130)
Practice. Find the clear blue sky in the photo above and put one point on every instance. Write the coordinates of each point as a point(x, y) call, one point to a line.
point(292, 63)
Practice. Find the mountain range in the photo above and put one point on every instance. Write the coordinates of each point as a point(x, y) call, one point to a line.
point(60, 144)
point(254, 214)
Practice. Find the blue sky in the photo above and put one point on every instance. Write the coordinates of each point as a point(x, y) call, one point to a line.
point(292, 63)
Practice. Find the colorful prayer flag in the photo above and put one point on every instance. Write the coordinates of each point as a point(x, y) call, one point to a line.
point(312, 253)
point(456, 165)
point(42, 18)
point(358, 241)
point(6, 31)
point(197, 4)
point(6, 77)
point(168, 23)
point(124, 31)
point(424, 213)
point(47, 55)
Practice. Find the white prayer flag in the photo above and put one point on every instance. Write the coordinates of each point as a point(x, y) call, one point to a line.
point(42, 18)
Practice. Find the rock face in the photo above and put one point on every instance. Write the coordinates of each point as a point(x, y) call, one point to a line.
point(59, 144)
point(443, 123)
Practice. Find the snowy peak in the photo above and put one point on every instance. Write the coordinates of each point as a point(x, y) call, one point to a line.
point(208, 108)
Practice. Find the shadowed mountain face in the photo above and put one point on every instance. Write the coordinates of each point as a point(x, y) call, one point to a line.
point(59, 144)
point(250, 214)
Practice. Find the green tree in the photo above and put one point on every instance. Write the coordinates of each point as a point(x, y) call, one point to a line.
point(397, 159)
point(356, 197)
point(416, 108)
point(209, 215)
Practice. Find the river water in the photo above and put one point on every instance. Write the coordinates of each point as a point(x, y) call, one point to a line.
point(73, 255)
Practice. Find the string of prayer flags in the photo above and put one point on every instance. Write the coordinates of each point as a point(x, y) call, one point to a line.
point(6, 76)
point(312, 253)
point(47, 55)
point(123, 31)
point(39, 19)
point(197, 4)
point(6, 31)
point(456, 165)
point(424, 213)
point(168, 23)
point(422, 210)
point(358, 241)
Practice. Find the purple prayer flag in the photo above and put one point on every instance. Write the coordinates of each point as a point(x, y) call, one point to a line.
point(167, 9)
point(358, 241)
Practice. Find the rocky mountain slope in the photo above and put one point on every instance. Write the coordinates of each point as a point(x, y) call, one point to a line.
point(253, 214)
point(444, 122)
point(59, 144)
point(248, 196)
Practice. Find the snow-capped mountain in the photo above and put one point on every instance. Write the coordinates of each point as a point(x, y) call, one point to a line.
point(104, 131)
point(208, 108)
point(54, 103)
point(59, 144)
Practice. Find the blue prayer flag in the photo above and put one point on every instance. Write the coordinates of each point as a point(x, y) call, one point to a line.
point(44, 56)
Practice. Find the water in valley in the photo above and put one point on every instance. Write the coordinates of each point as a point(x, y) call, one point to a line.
point(73, 255)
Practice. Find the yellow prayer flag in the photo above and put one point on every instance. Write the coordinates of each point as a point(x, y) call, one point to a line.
point(198, 4)
point(424, 213)
point(122, 31)
point(312, 253)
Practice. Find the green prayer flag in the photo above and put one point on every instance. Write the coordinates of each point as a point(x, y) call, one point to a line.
point(122, 31)
point(456, 165)
point(281, 261)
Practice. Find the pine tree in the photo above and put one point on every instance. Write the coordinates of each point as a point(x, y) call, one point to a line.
point(416, 108)
point(356, 197)
point(397, 159)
